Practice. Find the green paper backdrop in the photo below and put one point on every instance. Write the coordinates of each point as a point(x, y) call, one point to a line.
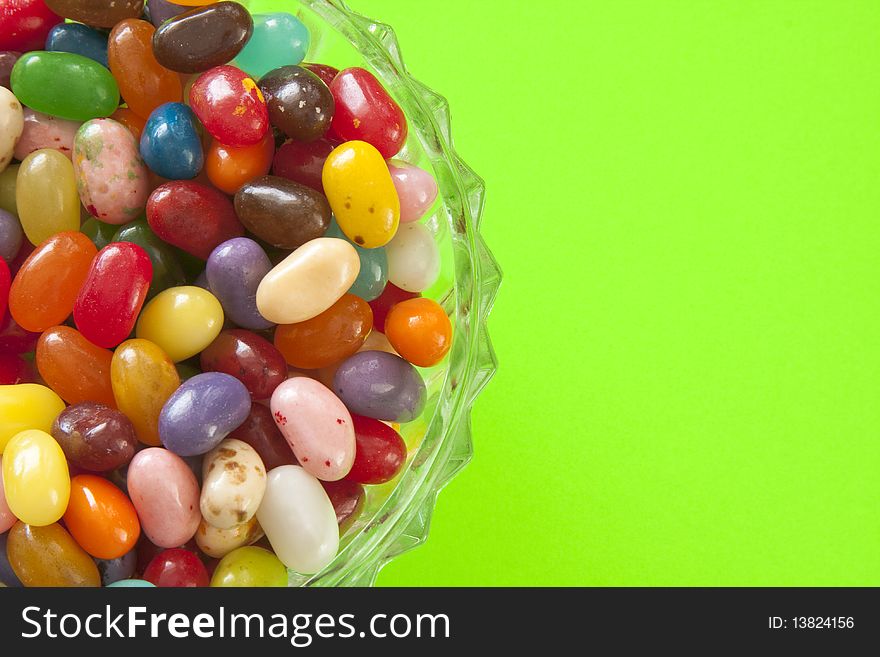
point(684, 197)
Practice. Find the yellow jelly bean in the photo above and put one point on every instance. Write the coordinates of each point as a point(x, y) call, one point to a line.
point(46, 196)
point(361, 194)
point(182, 321)
point(35, 478)
point(26, 406)
point(143, 378)
point(7, 188)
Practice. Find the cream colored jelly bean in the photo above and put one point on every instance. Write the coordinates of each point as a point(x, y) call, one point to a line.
point(218, 543)
point(233, 484)
point(11, 125)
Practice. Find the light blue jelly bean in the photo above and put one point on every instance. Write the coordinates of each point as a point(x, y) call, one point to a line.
point(78, 39)
point(170, 143)
point(131, 584)
point(278, 40)
point(374, 266)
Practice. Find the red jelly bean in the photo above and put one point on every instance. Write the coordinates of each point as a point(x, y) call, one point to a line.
point(365, 112)
point(15, 339)
point(176, 568)
point(5, 283)
point(323, 71)
point(14, 369)
point(347, 498)
point(380, 451)
point(260, 432)
point(384, 302)
point(303, 162)
point(192, 217)
point(230, 105)
point(25, 24)
point(251, 359)
point(109, 301)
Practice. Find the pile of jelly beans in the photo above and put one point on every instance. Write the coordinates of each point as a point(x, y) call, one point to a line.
point(211, 271)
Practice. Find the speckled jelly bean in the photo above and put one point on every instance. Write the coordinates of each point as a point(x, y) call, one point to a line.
point(420, 331)
point(361, 193)
point(46, 196)
point(97, 12)
point(234, 271)
point(36, 481)
point(366, 112)
point(94, 436)
point(115, 571)
point(413, 258)
point(308, 281)
point(49, 556)
point(380, 385)
point(230, 105)
point(167, 271)
point(11, 235)
point(260, 432)
point(303, 162)
point(229, 168)
point(111, 176)
point(278, 39)
point(348, 499)
point(101, 518)
point(11, 125)
point(416, 189)
point(176, 568)
point(182, 321)
point(248, 357)
point(74, 367)
point(373, 274)
point(79, 39)
point(170, 143)
point(65, 85)
point(299, 103)
point(249, 566)
point(233, 483)
point(217, 543)
point(44, 131)
point(165, 494)
point(113, 293)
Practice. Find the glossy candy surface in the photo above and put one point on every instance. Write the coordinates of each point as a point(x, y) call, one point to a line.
point(323, 71)
point(99, 233)
point(97, 12)
point(260, 432)
point(101, 518)
point(419, 331)
point(113, 293)
point(413, 258)
point(250, 566)
point(143, 378)
point(299, 103)
point(94, 436)
point(48, 556)
point(380, 385)
point(361, 193)
point(7, 518)
point(380, 453)
point(167, 270)
point(176, 568)
point(24, 24)
point(161, 10)
point(416, 189)
point(217, 543)
point(230, 105)
point(390, 296)
point(303, 162)
point(250, 358)
point(182, 321)
point(79, 39)
point(170, 143)
point(26, 406)
point(229, 168)
point(130, 120)
point(278, 39)
point(234, 271)
point(233, 484)
point(44, 131)
point(74, 367)
point(11, 125)
point(373, 274)
point(65, 85)
point(46, 196)
point(35, 478)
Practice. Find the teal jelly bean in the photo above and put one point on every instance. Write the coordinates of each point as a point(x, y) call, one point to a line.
point(278, 39)
point(131, 584)
point(374, 266)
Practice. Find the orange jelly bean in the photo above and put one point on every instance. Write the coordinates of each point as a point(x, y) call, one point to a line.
point(130, 120)
point(328, 338)
point(74, 367)
point(143, 82)
point(419, 331)
point(229, 168)
point(45, 288)
point(101, 517)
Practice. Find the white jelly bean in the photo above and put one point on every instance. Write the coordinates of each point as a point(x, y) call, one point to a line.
point(413, 258)
point(11, 125)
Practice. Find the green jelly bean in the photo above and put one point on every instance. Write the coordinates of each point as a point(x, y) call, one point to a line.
point(100, 233)
point(65, 85)
point(7, 188)
point(249, 566)
point(167, 271)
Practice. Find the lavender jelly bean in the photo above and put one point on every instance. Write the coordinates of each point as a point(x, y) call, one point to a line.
point(234, 271)
point(380, 385)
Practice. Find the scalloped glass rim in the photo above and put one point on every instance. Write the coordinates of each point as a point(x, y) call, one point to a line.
point(401, 522)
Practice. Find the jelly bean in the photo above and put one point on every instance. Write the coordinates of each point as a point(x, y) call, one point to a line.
point(44, 131)
point(299, 103)
point(250, 566)
point(45, 193)
point(361, 193)
point(234, 270)
point(117, 570)
point(348, 499)
point(7, 574)
point(419, 331)
point(143, 82)
point(101, 518)
point(380, 385)
point(416, 189)
point(182, 321)
point(176, 568)
point(130, 120)
point(218, 543)
point(99, 233)
point(26, 406)
point(10, 235)
point(303, 162)
point(248, 357)
point(328, 338)
point(234, 480)
point(7, 518)
point(74, 367)
point(230, 106)
point(14, 339)
point(192, 217)
point(167, 271)
point(48, 556)
point(166, 495)
point(35, 477)
point(308, 281)
point(229, 168)
point(65, 85)
point(111, 176)
point(373, 275)
point(203, 38)
point(113, 293)
point(4, 286)
point(79, 39)
point(323, 71)
point(413, 258)
point(132, 584)
point(317, 425)
point(11, 125)
point(95, 437)
point(366, 112)
point(8, 178)
point(278, 39)
point(160, 11)
point(24, 24)
point(382, 304)
point(202, 412)
point(193, 3)
point(7, 61)
point(15, 369)
point(377, 342)
point(299, 520)
point(170, 142)
point(380, 453)
point(282, 212)
point(99, 13)
point(260, 432)
point(187, 370)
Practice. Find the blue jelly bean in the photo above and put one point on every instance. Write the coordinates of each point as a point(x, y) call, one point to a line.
point(131, 583)
point(374, 266)
point(170, 143)
point(80, 40)
point(278, 39)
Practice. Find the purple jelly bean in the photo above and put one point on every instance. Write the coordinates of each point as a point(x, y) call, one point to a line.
point(113, 570)
point(202, 412)
point(7, 575)
point(161, 10)
point(7, 61)
point(10, 235)
point(380, 385)
point(234, 271)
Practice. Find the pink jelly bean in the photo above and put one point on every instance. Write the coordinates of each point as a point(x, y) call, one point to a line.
point(44, 131)
point(415, 187)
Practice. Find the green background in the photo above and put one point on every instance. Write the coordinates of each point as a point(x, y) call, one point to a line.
point(684, 198)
